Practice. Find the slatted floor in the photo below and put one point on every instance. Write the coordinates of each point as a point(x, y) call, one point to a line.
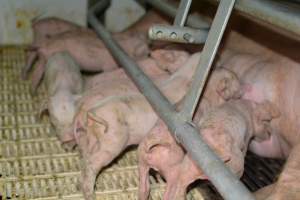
point(33, 165)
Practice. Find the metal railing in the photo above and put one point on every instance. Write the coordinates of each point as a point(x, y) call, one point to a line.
point(180, 125)
point(282, 16)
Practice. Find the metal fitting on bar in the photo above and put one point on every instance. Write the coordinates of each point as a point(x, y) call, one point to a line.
point(177, 34)
point(227, 183)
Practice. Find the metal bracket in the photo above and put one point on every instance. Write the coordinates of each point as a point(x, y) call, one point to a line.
point(177, 32)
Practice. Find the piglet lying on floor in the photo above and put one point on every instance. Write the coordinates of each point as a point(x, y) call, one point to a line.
point(64, 86)
point(116, 83)
point(104, 128)
point(227, 129)
point(43, 29)
point(86, 48)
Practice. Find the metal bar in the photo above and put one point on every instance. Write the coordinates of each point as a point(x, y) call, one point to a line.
point(177, 34)
point(171, 10)
point(226, 183)
point(182, 12)
point(208, 54)
point(283, 15)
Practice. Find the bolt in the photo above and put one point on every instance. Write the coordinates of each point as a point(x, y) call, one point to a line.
point(188, 38)
point(173, 35)
point(159, 34)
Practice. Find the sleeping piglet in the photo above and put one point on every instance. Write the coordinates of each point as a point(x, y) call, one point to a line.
point(43, 29)
point(227, 129)
point(64, 86)
point(87, 49)
point(104, 128)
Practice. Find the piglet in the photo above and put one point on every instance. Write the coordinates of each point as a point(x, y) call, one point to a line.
point(64, 86)
point(87, 49)
point(227, 129)
point(103, 128)
point(43, 29)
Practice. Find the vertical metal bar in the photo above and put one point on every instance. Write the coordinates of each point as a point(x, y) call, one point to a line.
point(226, 183)
point(171, 10)
point(182, 12)
point(208, 54)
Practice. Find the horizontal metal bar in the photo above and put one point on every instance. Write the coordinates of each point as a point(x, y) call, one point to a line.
point(182, 12)
point(171, 11)
point(208, 54)
point(226, 182)
point(177, 34)
point(285, 15)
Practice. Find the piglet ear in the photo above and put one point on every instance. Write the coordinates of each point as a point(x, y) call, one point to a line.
point(229, 87)
point(93, 119)
point(222, 88)
point(266, 111)
point(263, 114)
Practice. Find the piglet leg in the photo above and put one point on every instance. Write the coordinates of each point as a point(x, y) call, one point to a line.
point(38, 74)
point(287, 187)
point(98, 145)
point(175, 190)
point(144, 185)
point(32, 56)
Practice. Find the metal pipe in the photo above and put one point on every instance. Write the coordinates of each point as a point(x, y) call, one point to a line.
point(208, 54)
point(171, 11)
point(182, 12)
point(285, 15)
point(226, 182)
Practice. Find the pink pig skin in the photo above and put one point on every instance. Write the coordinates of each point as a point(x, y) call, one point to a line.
point(64, 86)
point(157, 64)
point(87, 49)
point(273, 76)
point(233, 123)
point(106, 126)
point(43, 29)
point(116, 82)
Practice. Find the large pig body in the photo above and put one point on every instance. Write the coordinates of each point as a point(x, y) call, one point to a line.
point(64, 86)
point(122, 118)
point(233, 123)
point(276, 79)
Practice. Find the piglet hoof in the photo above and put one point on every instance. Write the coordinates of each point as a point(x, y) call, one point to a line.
point(33, 91)
point(24, 75)
point(69, 146)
